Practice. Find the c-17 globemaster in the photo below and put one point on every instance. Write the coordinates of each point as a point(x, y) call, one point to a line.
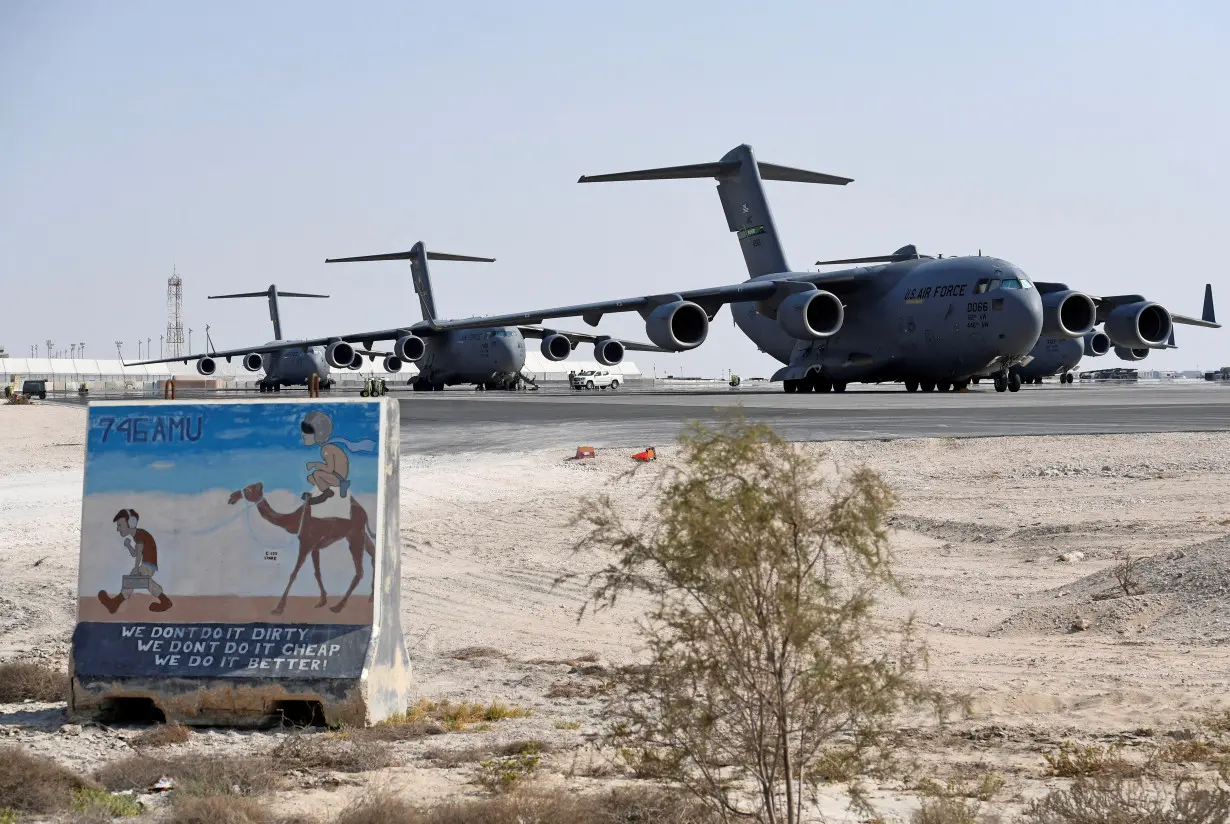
point(930, 323)
point(445, 352)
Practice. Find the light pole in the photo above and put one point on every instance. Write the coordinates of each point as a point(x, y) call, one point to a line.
point(138, 349)
point(72, 351)
point(49, 345)
point(81, 348)
point(160, 337)
point(189, 339)
point(118, 350)
point(149, 349)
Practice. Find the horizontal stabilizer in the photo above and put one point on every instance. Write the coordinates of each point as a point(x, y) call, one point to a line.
point(409, 256)
point(265, 294)
point(768, 171)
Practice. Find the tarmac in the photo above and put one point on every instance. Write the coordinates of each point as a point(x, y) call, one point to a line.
point(459, 421)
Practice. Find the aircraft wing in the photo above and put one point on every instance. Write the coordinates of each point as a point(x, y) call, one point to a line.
point(1208, 320)
point(711, 299)
point(589, 337)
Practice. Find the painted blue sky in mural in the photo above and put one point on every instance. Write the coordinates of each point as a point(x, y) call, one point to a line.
point(187, 448)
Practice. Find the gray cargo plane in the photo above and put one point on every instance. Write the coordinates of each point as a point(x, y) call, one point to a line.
point(445, 352)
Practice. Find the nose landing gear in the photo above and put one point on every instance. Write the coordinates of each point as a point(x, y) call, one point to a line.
point(1010, 382)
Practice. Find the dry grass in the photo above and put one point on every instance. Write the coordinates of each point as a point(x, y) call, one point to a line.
point(197, 776)
point(623, 806)
point(330, 752)
point(34, 784)
point(457, 717)
point(946, 811)
point(1090, 761)
point(453, 758)
point(1190, 751)
point(31, 681)
point(162, 735)
point(568, 725)
point(577, 689)
point(475, 653)
point(220, 810)
point(1116, 801)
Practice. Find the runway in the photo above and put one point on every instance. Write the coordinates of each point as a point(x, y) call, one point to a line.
point(436, 423)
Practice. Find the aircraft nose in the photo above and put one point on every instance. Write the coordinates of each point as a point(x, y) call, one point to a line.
point(1022, 321)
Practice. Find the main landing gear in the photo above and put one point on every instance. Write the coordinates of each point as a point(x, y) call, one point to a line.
point(814, 382)
point(935, 386)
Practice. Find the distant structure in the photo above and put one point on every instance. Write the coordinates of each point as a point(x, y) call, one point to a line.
point(175, 315)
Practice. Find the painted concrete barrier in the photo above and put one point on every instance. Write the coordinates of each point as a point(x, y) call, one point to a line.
point(240, 562)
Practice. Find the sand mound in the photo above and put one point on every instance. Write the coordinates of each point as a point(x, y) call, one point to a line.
point(1181, 595)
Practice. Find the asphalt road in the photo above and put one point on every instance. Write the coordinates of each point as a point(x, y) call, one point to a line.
point(435, 423)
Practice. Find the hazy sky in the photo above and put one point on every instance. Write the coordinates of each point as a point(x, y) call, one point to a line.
point(245, 142)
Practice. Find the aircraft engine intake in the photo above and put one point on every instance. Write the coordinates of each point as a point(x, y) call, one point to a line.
point(409, 348)
point(357, 363)
point(206, 366)
point(812, 315)
point(677, 326)
point(1068, 314)
point(1131, 354)
point(608, 351)
point(1139, 325)
point(392, 363)
point(1096, 344)
point(253, 361)
point(340, 354)
point(556, 347)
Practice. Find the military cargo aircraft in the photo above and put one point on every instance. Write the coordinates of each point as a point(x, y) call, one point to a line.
point(445, 352)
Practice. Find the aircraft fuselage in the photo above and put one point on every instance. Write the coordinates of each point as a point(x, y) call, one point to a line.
point(945, 319)
point(492, 356)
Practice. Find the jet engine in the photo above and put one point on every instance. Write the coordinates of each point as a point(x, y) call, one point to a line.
point(357, 363)
point(1067, 314)
point(1096, 344)
point(1139, 325)
point(253, 361)
point(206, 366)
point(340, 354)
point(608, 351)
point(1129, 354)
point(556, 347)
point(677, 326)
point(811, 315)
point(392, 363)
point(409, 348)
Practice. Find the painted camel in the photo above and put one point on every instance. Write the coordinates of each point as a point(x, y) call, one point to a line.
point(316, 534)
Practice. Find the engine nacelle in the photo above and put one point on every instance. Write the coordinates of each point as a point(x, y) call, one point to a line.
point(1139, 325)
point(1068, 314)
point(556, 347)
point(1097, 344)
point(206, 366)
point(608, 351)
point(392, 363)
point(1130, 354)
point(409, 348)
point(812, 315)
point(677, 326)
point(340, 354)
point(253, 361)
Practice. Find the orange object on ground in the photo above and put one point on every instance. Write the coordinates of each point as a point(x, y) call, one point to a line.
point(648, 455)
point(584, 452)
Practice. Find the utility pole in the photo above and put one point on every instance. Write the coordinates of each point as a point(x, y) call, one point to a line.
point(118, 350)
point(160, 337)
point(81, 348)
point(72, 351)
point(49, 345)
point(138, 349)
point(189, 340)
point(149, 350)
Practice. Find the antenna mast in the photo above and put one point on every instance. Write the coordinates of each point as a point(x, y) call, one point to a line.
point(175, 315)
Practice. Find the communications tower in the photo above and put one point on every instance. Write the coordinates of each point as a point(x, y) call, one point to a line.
point(175, 315)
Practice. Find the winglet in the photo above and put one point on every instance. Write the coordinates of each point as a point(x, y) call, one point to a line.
point(1208, 315)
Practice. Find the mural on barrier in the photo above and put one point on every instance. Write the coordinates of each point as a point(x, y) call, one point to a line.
point(203, 513)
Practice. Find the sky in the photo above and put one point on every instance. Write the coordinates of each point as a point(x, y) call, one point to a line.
point(243, 143)
point(188, 449)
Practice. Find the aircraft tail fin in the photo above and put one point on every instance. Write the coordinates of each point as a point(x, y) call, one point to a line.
point(272, 294)
point(740, 188)
point(418, 257)
point(1208, 316)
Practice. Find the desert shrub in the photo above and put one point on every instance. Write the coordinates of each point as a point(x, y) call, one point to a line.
point(195, 775)
point(1125, 576)
point(324, 752)
point(162, 735)
point(31, 681)
point(8, 816)
point(944, 810)
point(652, 762)
point(765, 644)
point(568, 725)
point(97, 803)
point(634, 805)
point(1190, 751)
point(220, 809)
point(1072, 760)
point(456, 717)
point(475, 653)
point(1119, 801)
point(34, 784)
point(507, 771)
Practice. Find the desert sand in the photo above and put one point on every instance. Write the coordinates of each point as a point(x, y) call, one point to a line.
point(1006, 549)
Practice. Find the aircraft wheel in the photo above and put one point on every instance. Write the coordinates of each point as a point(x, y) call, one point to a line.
point(1014, 382)
point(927, 386)
point(943, 386)
point(790, 386)
point(1001, 384)
point(975, 381)
point(1068, 378)
point(911, 386)
point(825, 385)
point(364, 394)
point(614, 384)
point(839, 386)
point(960, 386)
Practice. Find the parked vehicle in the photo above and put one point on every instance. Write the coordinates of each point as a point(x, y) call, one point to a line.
point(35, 389)
point(593, 379)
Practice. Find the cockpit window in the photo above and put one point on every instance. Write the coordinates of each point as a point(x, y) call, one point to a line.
point(1026, 284)
point(1011, 283)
